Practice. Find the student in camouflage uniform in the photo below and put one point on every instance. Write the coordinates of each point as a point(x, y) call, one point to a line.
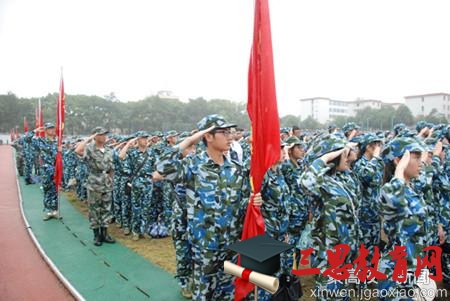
point(167, 187)
point(180, 236)
point(98, 158)
point(141, 162)
point(334, 211)
point(216, 196)
point(444, 237)
point(47, 148)
point(81, 174)
point(370, 170)
point(28, 155)
point(403, 211)
point(121, 200)
point(18, 146)
point(350, 130)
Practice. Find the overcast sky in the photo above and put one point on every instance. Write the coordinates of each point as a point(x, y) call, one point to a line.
point(338, 49)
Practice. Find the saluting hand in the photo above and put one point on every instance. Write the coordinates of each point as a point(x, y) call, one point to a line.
point(332, 155)
point(401, 165)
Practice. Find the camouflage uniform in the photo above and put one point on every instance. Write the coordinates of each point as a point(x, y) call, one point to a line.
point(445, 219)
point(121, 201)
point(370, 174)
point(18, 146)
point(141, 191)
point(81, 174)
point(99, 184)
point(180, 238)
point(28, 153)
point(47, 149)
point(216, 198)
point(334, 213)
point(404, 213)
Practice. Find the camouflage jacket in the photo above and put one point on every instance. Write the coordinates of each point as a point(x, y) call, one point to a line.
point(100, 165)
point(216, 197)
point(46, 148)
point(370, 175)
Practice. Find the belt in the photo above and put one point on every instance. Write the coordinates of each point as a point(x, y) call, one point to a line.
point(105, 172)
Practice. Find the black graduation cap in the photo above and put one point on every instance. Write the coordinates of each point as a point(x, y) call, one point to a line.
point(260, 253)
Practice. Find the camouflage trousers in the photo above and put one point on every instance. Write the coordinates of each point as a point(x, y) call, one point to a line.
point(370, 236)
point(183, 248)
point(168, 199)
point(391, 289)
point(49, 188)
point(121, 202)
point(141, 196)
point(81, 176)
point(99, 205)
point(19, 163)
point(445, 262)
point(28, 166)
point(210, 281)
point(157, 202)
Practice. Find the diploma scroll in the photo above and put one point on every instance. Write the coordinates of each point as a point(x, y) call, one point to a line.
point(263, 281)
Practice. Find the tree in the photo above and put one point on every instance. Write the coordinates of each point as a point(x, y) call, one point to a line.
point(403, 115)
point(310, 123)
point(289, 121)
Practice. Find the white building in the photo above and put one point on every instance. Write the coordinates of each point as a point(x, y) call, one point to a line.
point(424, 104)
point(322, 109)
point(325, 109)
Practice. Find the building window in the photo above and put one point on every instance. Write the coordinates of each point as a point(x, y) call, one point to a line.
point(422, 106)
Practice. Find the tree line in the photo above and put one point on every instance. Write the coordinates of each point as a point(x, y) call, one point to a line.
point(84, 112)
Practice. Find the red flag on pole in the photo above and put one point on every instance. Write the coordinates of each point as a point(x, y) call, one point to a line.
point(59, 133)
point(263, 112)
point(25, 124)
point(41, 119)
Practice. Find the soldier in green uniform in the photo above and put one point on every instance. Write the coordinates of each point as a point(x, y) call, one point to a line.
point(98, 158)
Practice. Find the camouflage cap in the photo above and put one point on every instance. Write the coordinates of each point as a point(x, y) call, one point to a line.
point(430, 144)
point(397, 147)
point(49, 125)
point(172, 134)
point(284, 131)
point(326, 144)
point(332, 126)
point(293, 140)
point(423, 124)
point(141, 134)
point(157, 134)
point(399, 127)
point(213, 120)
point(100, 130)
point(349, 126)
point(368, 138)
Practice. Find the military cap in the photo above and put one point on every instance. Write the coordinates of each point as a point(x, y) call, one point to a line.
point(430, 144)
point(325, 144)
point(332, 126)
point(260, 253)
point(399, 127)
point(49, 125)
point(100, 130)
point(349, 126)
point(172, 134)
point(293, 140)
point(213, 120)
point(284, 131)
point(141, 134)
point(368, 138)
point(158, 134)
point(397, 147)
point(423, 124)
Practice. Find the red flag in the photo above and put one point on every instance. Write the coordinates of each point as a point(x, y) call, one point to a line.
point(25, 124)
point(59, 133)
point(41, 119)
point(263, 112)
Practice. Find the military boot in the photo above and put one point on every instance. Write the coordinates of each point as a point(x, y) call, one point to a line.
point(97, 237)
point(105, 237)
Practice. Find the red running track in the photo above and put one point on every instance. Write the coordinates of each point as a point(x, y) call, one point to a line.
point(24, 275)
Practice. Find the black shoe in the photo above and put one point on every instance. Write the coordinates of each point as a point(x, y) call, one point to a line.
point(105, 237)
point(28, 181)
point(97, 237)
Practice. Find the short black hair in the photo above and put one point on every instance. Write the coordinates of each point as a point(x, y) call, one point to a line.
point(295, 128)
